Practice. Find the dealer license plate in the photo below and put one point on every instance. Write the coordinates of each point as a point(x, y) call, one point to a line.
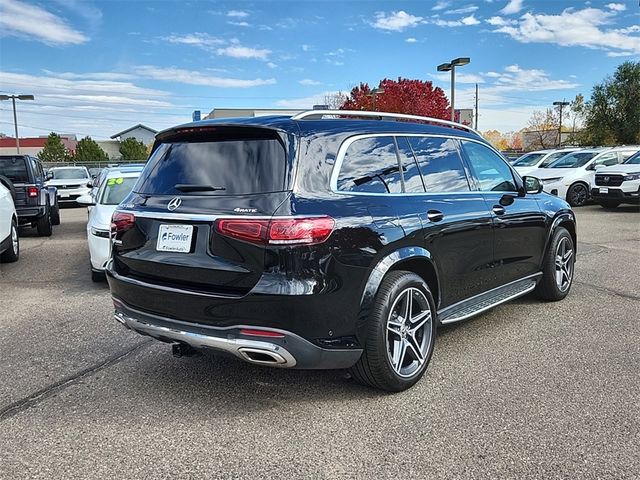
point(604, 190)
point(174, 238)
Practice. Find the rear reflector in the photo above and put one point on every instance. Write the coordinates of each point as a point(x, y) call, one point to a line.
point(278, 231)
point(261, 333)
point(32, 192)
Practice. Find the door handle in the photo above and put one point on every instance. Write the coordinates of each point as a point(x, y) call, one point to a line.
point(435, 215)
point(498, 210)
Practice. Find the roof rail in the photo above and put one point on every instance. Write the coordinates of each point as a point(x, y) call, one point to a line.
point(319, 114)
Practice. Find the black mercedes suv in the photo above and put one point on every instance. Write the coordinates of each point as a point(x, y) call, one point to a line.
point(330, 239)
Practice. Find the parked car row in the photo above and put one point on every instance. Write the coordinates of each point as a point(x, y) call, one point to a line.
point(110, 187)
point(571, 173)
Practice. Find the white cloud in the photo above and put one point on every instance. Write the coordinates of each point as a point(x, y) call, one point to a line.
point(617, 7)
point(272, 65)
point(308, 81)
point(305, 102)
point(463, 10)
point(240, 24)
point(498, 21)
point(516, 78)
point(461, 77)
point(203, 40)
point(396, 21)
point(305, 48)
point(192, 77)
point(237, 14)
point(466, 21)
point(411, 40)
point(239, 51)
point(441, 5)
point(514, 6)
point(91, 75)
point(470, 20)
point(619, 54)
point(584, 28)
point(22, 20)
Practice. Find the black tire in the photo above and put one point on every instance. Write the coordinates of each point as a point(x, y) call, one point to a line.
point(375, 367)
point(609, 203)
point(43, 224)
point(12, 254)
point(97, 277)
point(55, 213)
point(578, 194)
point(548, 288)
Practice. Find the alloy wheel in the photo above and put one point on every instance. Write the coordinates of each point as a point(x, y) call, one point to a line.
point(578, 195)
point(564, 264)
point(14, 239)
point(409, 332)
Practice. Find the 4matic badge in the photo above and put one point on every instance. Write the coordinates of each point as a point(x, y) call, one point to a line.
point(245, 210)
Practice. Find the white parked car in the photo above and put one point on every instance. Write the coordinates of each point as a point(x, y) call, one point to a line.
point(539, 159)
point(71, 182)
point(572, 176)
point(9, 241)
point(618, 183)
point(113, 190)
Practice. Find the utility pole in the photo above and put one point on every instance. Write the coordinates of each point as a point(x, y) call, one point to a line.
point(560, 104)
point(15, 118)
point(476, 106)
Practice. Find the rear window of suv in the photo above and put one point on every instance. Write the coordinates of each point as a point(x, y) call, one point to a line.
point(222, 167)
point(14, 168)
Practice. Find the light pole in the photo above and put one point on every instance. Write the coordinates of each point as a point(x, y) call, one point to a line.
point(451, 67)
point(374, 92)
point(560, 104)
point(15, 118)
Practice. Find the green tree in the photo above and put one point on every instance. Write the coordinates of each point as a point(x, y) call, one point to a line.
point(88, 150)
point(132, 149)
point(613, 112)
point(54, 150)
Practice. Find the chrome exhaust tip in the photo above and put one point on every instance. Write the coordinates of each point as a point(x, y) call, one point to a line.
point(261, 357)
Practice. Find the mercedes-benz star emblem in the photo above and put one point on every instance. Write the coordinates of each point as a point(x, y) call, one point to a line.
point(174, 203)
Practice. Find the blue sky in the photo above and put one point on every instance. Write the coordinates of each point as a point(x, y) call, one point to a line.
point(98, 67)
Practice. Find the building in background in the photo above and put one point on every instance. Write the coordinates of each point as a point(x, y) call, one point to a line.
point(33, 145)
point(140, 132)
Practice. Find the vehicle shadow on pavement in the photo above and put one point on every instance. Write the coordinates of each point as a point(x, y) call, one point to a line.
point(233, 386)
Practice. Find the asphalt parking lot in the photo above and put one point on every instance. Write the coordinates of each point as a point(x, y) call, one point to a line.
point(527, 390)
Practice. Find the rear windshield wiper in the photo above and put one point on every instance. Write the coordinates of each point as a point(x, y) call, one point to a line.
point(188, 187)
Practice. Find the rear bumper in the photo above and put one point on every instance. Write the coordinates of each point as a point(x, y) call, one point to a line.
point(288, 351)
point(29, 214)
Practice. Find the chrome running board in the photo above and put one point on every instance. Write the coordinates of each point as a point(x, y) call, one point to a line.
point(488, 300)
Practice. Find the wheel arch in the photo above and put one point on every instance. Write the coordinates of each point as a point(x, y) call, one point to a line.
point(568, 221)
point(414, 259)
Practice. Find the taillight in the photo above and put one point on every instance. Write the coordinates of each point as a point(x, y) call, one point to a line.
point(300, 230)
point(121, 222)
point(285, 231)
point(32, 192)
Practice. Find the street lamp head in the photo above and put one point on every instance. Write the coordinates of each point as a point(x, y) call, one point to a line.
point(444, 67)
point(4, 97)
point(377, 91)
point(25, 97)
point(458, 62)
point(563, 104)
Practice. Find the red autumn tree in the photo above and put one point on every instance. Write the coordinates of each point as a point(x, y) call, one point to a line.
point(413, 97)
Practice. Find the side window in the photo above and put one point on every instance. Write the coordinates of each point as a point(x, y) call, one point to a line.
point(489, 168)
point(440, 164)
point(370, 165)
point(412, 179)
point(607, 159)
